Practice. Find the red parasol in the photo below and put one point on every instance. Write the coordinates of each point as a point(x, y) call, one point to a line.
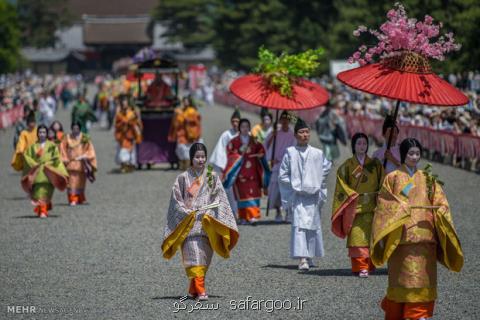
point(404, 72)
point(407, 77)
point(255, 90)
point(133, 76)
point(404, 77)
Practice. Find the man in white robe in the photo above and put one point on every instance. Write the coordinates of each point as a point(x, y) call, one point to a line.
point(284, 138)
point(218, 159)
point(302, 182)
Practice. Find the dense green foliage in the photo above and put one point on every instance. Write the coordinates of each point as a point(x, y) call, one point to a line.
point(9, 38)
point(39, 19)
point(236, 29)
point(282, 71)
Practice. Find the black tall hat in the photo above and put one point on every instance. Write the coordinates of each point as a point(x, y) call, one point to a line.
point(236, 114)
point(300, 124)
point(285, 114)
point(31, 117)
point(264, 112)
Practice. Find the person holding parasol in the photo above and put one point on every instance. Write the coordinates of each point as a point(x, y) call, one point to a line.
point(412, 225)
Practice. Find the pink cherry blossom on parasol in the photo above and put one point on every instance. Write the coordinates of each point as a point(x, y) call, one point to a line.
point(404, 73)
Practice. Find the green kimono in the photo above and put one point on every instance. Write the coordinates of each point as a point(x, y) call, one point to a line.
point(81, 113)
point(43, 171)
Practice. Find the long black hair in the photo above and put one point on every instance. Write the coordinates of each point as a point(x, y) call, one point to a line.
point(355, 138)
point(59, 123)
point(406, 145)
point(197, 146)
point(76, 123)
point(42, 126)
point(244, 120)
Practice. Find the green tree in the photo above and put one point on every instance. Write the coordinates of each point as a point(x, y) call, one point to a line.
point(39, 19)
point(236, 29)
point(244, 26)
point(9, 38)
point(190, 22)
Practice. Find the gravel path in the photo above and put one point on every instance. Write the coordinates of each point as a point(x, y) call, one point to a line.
point(103, 260)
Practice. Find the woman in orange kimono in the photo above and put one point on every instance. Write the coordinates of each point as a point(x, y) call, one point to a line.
point(78, 155)
point(412, 230)
point(128, 133)
point(248, 172)
point(43, 171)
point(57, 127)
point(27, 138)
point(185, 129)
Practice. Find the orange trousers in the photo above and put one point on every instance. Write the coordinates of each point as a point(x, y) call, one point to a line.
point(197, 286)
point(78, 198)
point(362, 263)
point(249, 213)
point(408, 310)
point(43, 208)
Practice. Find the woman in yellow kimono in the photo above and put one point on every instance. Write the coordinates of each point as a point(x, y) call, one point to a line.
point(412, 229)
point(199, 221)
point(358, 181)
point(27, 138)
point(78, 155)
point(128, 133)
point(260, 131)
point(43, 172)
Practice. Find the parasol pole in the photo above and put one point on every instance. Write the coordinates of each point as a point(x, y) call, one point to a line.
point(275, 124)
point(139, 75)
point(389, 143)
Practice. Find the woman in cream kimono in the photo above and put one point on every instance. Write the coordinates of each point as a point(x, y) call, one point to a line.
point(358, 181)
point(412, 229)
point(199, 221)
point(78, 155)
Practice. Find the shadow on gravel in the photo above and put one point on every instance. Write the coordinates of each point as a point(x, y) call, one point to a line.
point(325, 272)
point(117, 170)
point(179, 297)
point(279, 266)
point(269, 223)
point(342, 273)
point(35, 217)
point(68, 205)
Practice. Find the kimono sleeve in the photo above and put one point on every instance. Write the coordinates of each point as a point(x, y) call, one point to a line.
point(344, 204)
point(449, 252)
point(219, 223)
point(180, 220)
point(390, 215)
point(285, 182)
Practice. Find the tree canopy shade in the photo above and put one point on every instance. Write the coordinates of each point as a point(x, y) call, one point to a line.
point(236, 29)
point(9, 38)
point(39, 19)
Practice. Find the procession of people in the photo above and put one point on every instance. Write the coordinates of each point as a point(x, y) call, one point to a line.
point(376, 198)
point(389, 210)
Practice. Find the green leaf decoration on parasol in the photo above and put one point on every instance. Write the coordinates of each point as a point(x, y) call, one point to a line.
point(283, 71)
